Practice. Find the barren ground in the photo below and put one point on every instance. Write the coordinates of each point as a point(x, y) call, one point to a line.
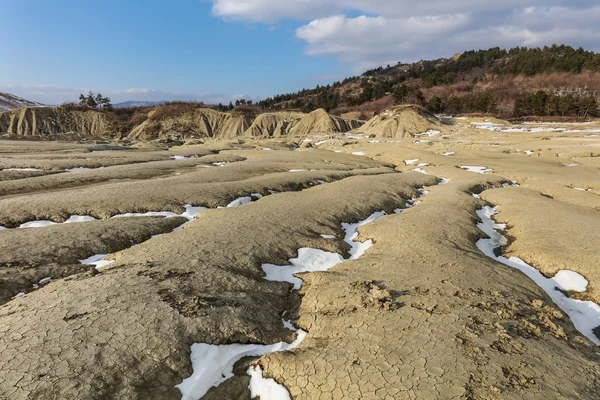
point(423, 314)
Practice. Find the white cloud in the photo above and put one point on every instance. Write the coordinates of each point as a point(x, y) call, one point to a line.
point(404, 30)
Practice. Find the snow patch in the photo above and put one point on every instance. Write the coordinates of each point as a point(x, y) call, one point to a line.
point(411, 161)
point(477, 169)
point(213, 365)
point(585, 315)
point(21, 169)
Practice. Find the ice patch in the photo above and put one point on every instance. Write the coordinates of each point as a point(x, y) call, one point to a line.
point(267, 149)
point(329, 236)
point(449, 153)
point(45, 281)
point(263, 388)
point(79, 218)
point(570, 164)
point(241, 201)
point(308, 260)
point(585, 315)
point(477, 169)
point(166, 214)
point(571, 281)
point(358, 153)
point(97, 261)
point(37, 224)
point(297, 170)
point(411, 161)
point(76, 169)
point(213, 364)
point(429, 133)
point(18, 295)
point(21, 169)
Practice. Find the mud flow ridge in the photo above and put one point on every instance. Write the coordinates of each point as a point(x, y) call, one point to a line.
point(214, 364)
point(585, 315)
point(187, 207)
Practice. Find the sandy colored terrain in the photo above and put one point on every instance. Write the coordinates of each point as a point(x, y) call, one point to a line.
point(423, 314)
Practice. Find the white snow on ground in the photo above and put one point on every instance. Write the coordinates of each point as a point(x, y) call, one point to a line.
point(3, 228)
point(241, 201)
point(529, 152)
point(421, 170)
point(585, 315)
point(411, 161)
point(147, 214)
point(220, 164)
point(203, 166)
point(178, 158)
point(328, 236)
point(297, 170)
point(267, 149)
point(79, 218)
point(423, 164)
point(583, 190)
point(18, 295)
point(45, 281)
point(76, 169)
point(358, 153)
point(308, 260)
point(571, 281)
point(21, 169)
point(265, 389)
point(429, 133)
point(449, 153)
point(477, 169)
point(213, 365)
point(37, 224)
point(444, 181)
point(97, 261)
point(570, 164)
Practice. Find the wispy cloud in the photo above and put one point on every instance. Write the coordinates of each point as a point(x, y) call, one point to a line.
point(404, 30)
point(56, 94)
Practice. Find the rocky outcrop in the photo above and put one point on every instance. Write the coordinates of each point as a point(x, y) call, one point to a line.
point(319, 121)
point(167, 122)
point(273, 124)
point(191, 123)
point(50, 122)
point(402, 122)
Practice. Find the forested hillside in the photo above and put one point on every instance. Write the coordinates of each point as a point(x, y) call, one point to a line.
point(549, 81)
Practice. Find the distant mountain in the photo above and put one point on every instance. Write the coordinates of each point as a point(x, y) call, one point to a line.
point(10, 102)
point(133, 103)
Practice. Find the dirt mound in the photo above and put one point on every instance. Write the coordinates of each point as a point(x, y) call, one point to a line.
point(402, 122)
point(273, 124)
point(54, 121)
point(319, 121)
point(166, 122)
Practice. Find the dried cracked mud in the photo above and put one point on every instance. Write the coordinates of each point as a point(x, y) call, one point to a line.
point(422, 314)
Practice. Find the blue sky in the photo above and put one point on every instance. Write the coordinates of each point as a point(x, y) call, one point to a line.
point(218, 50)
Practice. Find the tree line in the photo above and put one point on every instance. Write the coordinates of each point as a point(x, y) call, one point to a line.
point(404, 82)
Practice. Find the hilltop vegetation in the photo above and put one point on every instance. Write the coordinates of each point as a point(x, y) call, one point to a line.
point(489, 81)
